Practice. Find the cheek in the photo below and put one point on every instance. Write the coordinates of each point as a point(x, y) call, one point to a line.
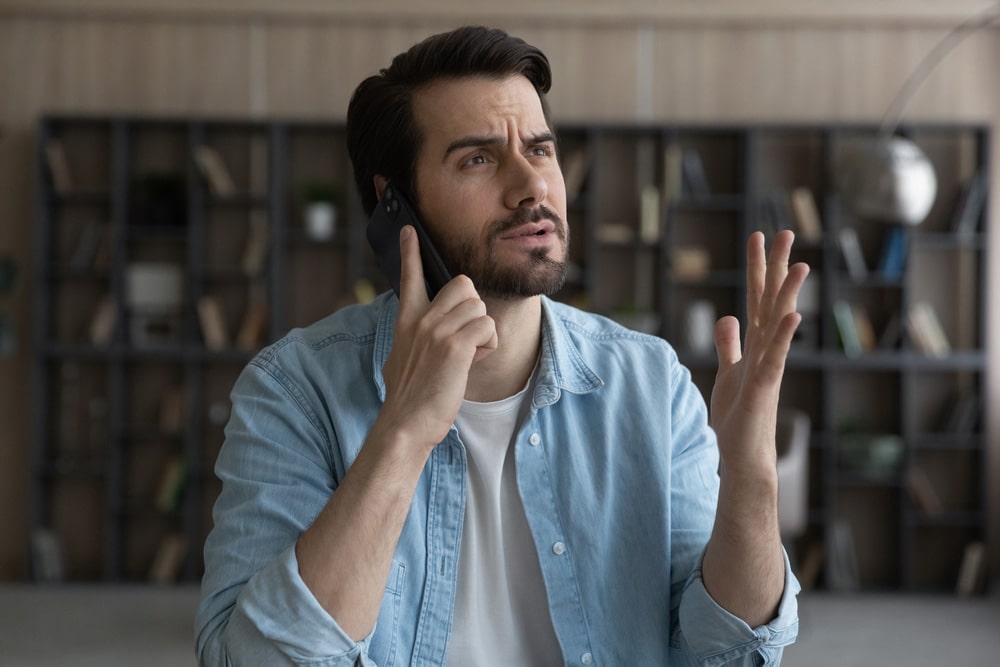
point(453, 218)
point(557, 192)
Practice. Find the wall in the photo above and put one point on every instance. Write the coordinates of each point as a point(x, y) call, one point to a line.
point(645, 60)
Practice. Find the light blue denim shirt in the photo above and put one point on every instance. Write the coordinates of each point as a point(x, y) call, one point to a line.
point(616, 466)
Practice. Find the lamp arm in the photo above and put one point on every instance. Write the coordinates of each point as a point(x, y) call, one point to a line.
point(953, 38)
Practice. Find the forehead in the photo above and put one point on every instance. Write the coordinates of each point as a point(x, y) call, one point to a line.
point(450, 108)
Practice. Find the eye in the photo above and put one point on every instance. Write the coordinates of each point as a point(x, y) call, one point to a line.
point(543, 150)
point(476, 159)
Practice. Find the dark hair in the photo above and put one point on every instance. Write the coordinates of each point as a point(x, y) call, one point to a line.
point(382, 137)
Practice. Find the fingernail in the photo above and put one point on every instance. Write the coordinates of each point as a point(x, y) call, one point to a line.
point(405, 233)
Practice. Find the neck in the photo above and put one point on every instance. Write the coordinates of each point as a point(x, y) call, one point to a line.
point(519, 335)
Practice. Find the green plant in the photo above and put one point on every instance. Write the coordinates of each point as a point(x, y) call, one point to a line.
point(314, 193)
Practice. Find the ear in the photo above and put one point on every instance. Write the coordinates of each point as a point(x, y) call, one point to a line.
point(380, 183)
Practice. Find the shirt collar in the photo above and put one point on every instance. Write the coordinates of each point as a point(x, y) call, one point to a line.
point(561, 366)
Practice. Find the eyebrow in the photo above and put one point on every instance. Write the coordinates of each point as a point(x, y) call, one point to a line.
point(493, 140)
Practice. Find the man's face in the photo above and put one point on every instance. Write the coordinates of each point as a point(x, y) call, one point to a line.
point(489, 185)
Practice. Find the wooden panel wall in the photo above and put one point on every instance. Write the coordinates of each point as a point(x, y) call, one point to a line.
point(728, 61)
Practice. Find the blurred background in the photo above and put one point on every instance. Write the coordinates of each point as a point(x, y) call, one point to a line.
point(175, 193)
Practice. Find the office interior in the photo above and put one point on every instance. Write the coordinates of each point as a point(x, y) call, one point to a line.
point(764, 96)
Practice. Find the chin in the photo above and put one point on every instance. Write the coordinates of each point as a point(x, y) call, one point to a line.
point(543, 277)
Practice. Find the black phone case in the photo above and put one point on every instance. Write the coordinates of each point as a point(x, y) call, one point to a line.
point(391, 214)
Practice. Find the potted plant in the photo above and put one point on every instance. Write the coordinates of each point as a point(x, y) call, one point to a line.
point(320, 211)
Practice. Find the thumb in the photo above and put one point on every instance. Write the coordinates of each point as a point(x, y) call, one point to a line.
point(727, 341)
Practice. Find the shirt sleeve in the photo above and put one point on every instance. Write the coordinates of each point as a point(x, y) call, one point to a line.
point(705, 633)
point(277, 476)
point(732, 641)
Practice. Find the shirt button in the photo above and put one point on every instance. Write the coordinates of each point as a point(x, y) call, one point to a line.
point(586, 658)
point(534, 439)
point(558, 548)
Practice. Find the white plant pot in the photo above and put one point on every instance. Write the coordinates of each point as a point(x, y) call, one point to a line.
point(320, 221)
point(699, 326)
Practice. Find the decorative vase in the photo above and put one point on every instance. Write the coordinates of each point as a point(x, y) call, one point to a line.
point(320, 221)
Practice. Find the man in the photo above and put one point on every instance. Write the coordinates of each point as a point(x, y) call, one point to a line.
point(492, 477)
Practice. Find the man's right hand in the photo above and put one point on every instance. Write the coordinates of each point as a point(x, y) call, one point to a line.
point(434, 346)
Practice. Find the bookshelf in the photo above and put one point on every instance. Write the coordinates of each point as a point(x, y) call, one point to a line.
point(129, 401)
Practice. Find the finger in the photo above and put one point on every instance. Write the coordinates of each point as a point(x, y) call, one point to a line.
point(772, 363)
point(453, 311)
point(462, 334)
point(787, 298)
point(727, 342)
point(756, 270)
point(412, 290)
point(489, 343)
point(782, 303)
point(777, 270)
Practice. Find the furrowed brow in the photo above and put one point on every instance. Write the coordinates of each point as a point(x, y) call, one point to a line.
point(541, 138)
point(472, 142)
point(483, 141)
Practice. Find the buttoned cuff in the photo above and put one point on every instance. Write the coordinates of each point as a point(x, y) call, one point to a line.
point(717, 637)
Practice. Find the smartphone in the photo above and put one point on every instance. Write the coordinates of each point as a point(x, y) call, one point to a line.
point(391, 214)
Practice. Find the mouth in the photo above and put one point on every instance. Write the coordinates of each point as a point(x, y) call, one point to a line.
point(528, 230)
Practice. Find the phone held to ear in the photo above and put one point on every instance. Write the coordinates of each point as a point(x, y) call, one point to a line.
point(392, 213)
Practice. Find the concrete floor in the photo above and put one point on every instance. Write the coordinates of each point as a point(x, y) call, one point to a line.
point(94, 626)
point(866, 630)
point(87, 626)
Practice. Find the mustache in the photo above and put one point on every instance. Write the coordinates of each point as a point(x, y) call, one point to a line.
point(523, 216)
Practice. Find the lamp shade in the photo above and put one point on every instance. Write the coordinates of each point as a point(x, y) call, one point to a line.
point(887, 178)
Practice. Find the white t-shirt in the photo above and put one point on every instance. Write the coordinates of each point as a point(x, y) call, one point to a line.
point(501, 610)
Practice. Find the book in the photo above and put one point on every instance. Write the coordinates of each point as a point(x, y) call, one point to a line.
point(693, 179)
point(969, 206)
point(255, 248)
point(854, 259)
point(690, 262)
point(649, 214)
point(806, 215)
point(102, 324)
point(215, 172)
point(922, 492)
point(87, 245)
point(892, 258)
point(673, 181)
point(962, 415)
point(925, 328)
point(575, 169)
point(843, 316)
point(253, 327)
point(889, 338)
point(169, 559)
point(58, 163)
point(170, 489)
point(213, 324)
point(972, 571)
point(863, 325)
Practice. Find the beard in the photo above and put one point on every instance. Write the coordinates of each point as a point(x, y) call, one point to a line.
point(537, 274)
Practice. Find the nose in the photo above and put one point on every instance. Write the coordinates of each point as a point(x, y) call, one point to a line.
point(525, 186)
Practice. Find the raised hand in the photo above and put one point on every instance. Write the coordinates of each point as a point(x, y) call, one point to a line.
point(745, 397)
